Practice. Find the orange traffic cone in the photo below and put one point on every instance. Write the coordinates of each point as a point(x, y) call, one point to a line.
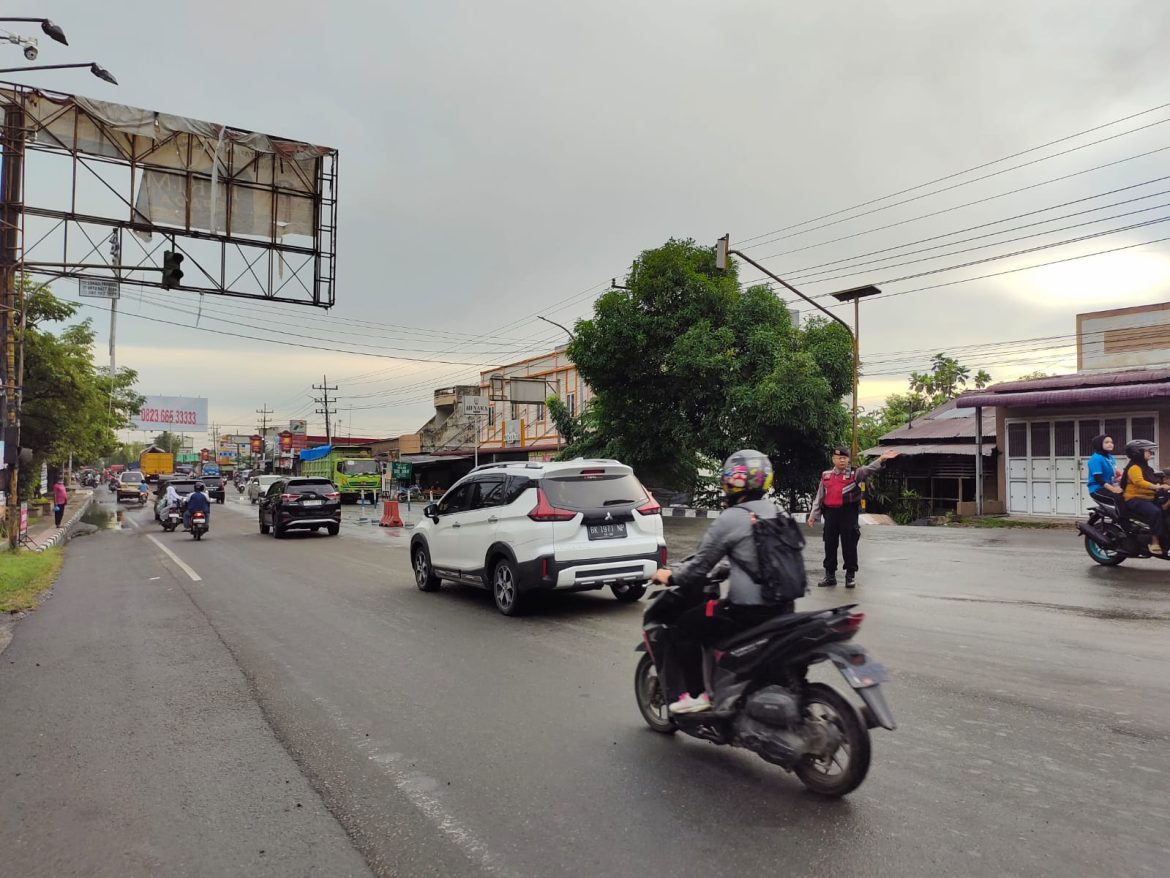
point(390, 515)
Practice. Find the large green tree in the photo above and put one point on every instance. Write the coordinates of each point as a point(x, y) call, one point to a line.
point(168, 441)
point(686, 367)
point(69, 406)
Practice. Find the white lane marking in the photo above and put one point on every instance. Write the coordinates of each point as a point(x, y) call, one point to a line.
point(195, 577)
point(418, 789)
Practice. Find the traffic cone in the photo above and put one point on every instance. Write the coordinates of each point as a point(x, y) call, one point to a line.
point(390, 515)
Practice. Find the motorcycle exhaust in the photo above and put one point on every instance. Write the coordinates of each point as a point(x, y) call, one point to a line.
point(1092, 533)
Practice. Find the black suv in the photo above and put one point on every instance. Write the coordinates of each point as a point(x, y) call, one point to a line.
point(300, 503)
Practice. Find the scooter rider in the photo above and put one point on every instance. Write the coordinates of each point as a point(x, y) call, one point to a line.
point(1141, 491)
point(197, 501)
point(746, 477)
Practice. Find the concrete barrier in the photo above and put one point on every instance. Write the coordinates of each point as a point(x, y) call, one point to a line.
point(391, 517)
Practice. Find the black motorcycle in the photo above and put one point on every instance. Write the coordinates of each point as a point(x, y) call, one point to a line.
point(198, 525)
point(1111, 535)
point(762, 700)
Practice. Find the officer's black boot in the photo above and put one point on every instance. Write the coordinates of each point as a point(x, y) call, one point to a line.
point(849, 579)
point(829, 580)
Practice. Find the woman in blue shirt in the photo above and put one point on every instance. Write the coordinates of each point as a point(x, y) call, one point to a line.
point(1102, 468)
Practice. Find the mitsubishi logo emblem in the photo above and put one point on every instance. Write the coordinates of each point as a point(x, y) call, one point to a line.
point(609, 516)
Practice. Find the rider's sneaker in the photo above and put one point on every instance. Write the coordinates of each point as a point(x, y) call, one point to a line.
point(850, 580)
point(829, 580)
point(1156, 549)
point(689, 704)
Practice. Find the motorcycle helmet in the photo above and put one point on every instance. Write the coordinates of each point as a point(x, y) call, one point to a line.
point(1135, 449)
point(199, 486)
point(746, 472)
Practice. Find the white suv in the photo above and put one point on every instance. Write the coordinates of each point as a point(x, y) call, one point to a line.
point(522, 527)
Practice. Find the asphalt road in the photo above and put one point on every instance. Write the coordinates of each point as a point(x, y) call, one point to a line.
point(1031, 689)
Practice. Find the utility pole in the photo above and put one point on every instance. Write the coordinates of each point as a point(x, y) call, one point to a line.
point(323, 400)
point(11, 300)
point(263, 413)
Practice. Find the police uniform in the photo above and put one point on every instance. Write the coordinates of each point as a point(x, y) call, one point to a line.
point(838, 503)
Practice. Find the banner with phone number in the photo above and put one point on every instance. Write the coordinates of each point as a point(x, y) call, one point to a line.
point(179, 414)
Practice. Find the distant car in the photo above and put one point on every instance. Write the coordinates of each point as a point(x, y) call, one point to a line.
point(258, 487)
point(515, 528)
point(183, 485)
point(127, 486)
point(215, 489)
point(300, 503)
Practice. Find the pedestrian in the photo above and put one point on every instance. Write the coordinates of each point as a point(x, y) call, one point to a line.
point(60, 498)
point(838, 501)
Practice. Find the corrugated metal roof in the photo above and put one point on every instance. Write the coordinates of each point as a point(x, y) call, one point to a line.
point(945, 422)
point(1071, 396)
point(1078, 379)
point(963, 449)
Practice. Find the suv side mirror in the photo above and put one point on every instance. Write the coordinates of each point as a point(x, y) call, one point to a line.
point(432, 511)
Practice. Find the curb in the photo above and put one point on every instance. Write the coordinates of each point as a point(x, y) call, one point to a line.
point(865, 518)
point(62, 534)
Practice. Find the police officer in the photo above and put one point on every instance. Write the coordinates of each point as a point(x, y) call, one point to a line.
point(838, 501)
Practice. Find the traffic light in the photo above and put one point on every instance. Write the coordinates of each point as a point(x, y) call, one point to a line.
point(172, 273)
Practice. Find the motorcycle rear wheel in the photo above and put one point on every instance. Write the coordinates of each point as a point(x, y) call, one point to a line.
point(1103, 556)
point(651, 700)
point(849, 763)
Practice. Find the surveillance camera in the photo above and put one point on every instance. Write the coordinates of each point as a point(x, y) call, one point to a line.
point(30, 52)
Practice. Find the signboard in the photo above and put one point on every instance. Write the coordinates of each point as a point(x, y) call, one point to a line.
point(98, 288)
point(3, 462)
point(476, 405)
point(402, 470)
point(512, 432)
point(298, 428)
point(44, 479)
point(179, 414)
point(23, 520)
point(285, 442)
point(257, 444)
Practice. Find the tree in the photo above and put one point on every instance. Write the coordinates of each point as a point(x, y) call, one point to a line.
point(946, 379)
point(69, 405)
point(168, 441)
point(686, 368)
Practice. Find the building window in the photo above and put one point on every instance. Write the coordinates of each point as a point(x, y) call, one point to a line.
point(492, 416)
point(571, 403)
point(1143, 428)
point(1017, 440)
point(1117, 428)
point(515, 411)
point(539, 413)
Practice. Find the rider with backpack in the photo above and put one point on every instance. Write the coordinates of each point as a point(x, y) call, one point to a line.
point(763, 547)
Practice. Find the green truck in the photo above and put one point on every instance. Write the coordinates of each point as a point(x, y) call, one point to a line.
point(352, 470)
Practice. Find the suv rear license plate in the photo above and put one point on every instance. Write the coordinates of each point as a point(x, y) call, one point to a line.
point(607, 531)
point(314, 502)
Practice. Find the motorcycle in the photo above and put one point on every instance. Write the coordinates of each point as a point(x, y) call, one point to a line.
point(198, 525)
point(762, 700)
point(172, 519)
point(1111, 535)
point(239, 487)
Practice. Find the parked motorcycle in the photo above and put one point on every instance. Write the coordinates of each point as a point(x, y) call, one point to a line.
point(1111, 535)
point(198, 525)
point(762, 699)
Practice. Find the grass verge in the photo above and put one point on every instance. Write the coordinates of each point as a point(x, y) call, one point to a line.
point(994, 521)
point(24, 575)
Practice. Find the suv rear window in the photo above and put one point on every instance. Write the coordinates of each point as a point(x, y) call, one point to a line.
point(310, 486)
point(593, 492)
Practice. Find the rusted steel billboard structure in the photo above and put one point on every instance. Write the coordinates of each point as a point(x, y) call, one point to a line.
point(99, 191)
point(254, 216)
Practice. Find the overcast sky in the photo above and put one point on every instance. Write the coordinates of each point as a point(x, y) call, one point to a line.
point(501, 160)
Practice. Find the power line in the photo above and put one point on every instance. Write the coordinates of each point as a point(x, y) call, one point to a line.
point(979, 167)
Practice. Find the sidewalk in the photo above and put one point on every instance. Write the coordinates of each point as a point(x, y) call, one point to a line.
point(132, 743)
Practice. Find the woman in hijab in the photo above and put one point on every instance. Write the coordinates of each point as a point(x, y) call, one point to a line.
point(1102, 469)
point(1141, 491)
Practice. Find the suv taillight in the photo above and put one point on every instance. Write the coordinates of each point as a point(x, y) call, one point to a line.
point(545, 511)
point(332, 495)
point(651, 506)
point(290, 496)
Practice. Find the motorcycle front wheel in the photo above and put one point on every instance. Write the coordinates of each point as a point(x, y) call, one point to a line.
point(841, 772)
point(1103, 556)
point(650, 697)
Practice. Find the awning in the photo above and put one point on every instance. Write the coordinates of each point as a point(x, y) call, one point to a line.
point(1071, 396)
point(418, 459)
point(967, 450)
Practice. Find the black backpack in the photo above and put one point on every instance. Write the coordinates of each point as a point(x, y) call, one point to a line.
point(779, 544)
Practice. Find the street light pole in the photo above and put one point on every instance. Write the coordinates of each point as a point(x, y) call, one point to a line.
point(723, 251)
point(855, 295)
point(94, 68)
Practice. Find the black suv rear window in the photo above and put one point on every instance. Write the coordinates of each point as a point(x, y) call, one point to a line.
point(316, 486)
point(593, 492)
